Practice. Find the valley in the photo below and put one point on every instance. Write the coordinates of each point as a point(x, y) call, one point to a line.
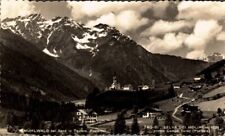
point(62, 75)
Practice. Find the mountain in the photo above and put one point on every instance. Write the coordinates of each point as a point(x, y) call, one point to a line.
point(100, 52)
point(215, 57)
point(25, 70)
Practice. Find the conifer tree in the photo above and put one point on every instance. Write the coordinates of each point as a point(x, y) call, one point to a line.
point(155, 122)
point(168, 124)
point(135, 126)
point(120, 124)
point(85, 129)
point(155, 126)
point(168, 120)
point(146, 131)
point(186, 119)
point(196, 117)
point(219, 111)
point(219, 121)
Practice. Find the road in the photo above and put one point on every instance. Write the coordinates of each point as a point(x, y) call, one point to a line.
point(176, 109)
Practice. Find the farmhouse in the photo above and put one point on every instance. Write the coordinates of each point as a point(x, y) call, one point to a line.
point(128, 87)
point(81, 115)
point(91, 117)
point(176, 86)
point(189, 109)
point(151, 113)
point(86, 116)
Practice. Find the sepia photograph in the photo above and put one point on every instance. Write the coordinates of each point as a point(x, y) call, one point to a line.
point(151, 68)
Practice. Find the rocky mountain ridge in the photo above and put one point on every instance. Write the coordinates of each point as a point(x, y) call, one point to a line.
point(100, 52)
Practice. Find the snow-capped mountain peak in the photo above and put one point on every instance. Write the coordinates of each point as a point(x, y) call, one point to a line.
point(60, 35)
point(214, 57)
point(98, 52)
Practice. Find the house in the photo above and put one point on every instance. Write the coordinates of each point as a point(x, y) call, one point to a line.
point(151, 113)
point(86, 116)
point(80, 115)
point(150, 86)
point(189, 109)
point(195, 87)
point(145, 87)
point(91, 117)
point(128, 87)
point(176, 86)
point(197, 79)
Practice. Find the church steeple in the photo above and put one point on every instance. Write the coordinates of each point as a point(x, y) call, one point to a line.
point(115, 85)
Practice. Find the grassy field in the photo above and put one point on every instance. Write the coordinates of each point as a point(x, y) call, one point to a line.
point(169, 104)
point(212, 105)
point(142, 123)
point(111, 116)
point(215, 91)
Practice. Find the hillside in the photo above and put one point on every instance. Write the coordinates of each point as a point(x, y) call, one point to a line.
point(25, 70)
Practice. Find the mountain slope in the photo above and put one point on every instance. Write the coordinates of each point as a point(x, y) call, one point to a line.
point(26, 70)
point(100, 52)
point(176, 68)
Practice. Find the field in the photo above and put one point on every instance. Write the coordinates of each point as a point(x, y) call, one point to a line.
point(170, 104)
point(142, 123)
point(212, 105)
point(216, 91)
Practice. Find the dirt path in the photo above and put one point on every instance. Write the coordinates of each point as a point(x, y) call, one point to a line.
point(176, 109)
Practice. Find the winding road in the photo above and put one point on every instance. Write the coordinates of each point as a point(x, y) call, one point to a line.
point(176, 109)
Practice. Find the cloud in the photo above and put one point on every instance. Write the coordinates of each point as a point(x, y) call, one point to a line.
point(12, 8)
point(81, 10)
point(201, 10)
point(160, 9)
point(162, 27)
point(109, 19)
point(132, 22)
point(204, 31)
point(126, 16)
point(221, 36)
point(196, 54)
point(170, 42)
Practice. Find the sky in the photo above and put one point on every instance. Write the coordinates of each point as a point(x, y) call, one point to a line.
point(187, 29)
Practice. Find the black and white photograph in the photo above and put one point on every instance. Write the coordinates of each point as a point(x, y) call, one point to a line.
point(151, 68)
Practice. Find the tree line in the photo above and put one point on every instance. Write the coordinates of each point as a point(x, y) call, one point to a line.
point(36, 111)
